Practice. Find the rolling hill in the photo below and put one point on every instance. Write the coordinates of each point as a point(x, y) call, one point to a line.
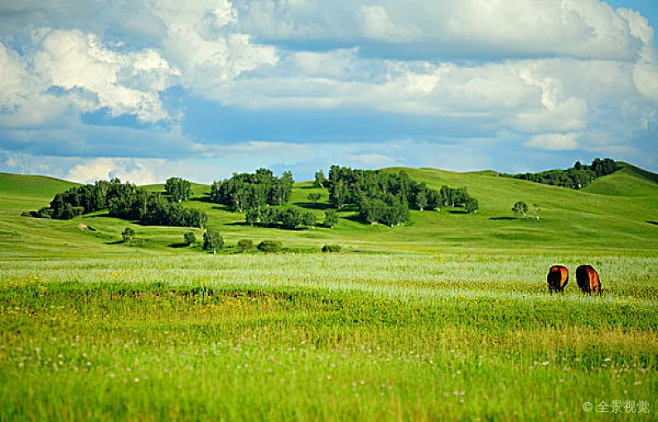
point(615, 212)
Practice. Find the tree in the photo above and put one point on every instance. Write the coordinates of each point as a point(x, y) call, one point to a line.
point(535, 211)
point(252, 215)
point(178, 188)
point(128, 234)
point(189, 238)
point(245, 245)
point(308, 219)
point(212, 240)
point(471, 205)
point(338, 194)
point(521, 208)
point(313, 197)
point(330, 218)
point(421, 200)
point(320, 180)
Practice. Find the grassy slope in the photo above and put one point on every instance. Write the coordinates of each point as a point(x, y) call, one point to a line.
point(615, 212)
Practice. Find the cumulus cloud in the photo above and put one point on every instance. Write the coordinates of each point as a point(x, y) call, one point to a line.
point(124, 83)
point(140, 172)
point(548, 75)
point(554, 142)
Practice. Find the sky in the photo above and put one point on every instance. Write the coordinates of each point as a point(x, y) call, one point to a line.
point(145, 90)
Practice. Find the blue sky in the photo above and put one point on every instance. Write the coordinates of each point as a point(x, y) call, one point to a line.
point(146, 90)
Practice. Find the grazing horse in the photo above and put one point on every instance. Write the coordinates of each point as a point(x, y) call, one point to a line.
point(588, 279)
point(557, 279)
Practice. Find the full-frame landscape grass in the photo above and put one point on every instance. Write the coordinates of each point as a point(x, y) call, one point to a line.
point(444, 317)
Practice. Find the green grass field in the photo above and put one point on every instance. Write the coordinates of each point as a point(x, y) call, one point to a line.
point(445, 318)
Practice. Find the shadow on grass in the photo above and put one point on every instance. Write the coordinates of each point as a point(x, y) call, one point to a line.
point(502, 218)
point(655, 223)
point(313, 205)
point(178, 245)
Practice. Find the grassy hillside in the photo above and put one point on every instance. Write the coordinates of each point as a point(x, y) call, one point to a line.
point(618, 211)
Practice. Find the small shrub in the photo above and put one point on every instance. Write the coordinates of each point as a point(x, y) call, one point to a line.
point(128, 234)
point(270, 246)
point(331, 248)
point(189, 238)
point(246, 245)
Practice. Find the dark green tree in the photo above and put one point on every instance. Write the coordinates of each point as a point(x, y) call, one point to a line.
point(189, 238)
point(178, 189)
point(330, 218)
point(313, 197)
point(521, 208)
point(212, 240)
point(128, 234)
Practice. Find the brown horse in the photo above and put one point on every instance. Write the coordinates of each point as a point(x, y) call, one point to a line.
point(557, 279)
point(588, 279)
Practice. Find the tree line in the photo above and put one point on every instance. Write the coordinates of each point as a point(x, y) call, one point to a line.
point(252, 191)
point(127, 201)
point(576, 177)
point(386, 197)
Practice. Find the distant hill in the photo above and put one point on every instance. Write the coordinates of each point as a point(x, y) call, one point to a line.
point(617, 211)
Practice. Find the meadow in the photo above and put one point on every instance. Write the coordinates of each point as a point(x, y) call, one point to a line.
point(446, 318)
point(325, 336)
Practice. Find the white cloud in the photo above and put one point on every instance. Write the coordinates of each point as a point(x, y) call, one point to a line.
point(646, 80)
point(140, 172)
point(377, 24)
point(554, 142)
point(574, 28)
point(125, 83)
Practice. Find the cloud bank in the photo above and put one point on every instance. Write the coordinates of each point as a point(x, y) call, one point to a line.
point(151, 88)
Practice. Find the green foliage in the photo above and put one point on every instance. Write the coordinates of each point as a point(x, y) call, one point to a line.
point(287, 218)
point(128, 234)
point(245, 190)
point(386, 197)
point(125, 201)
point(576, 177)
point(212, 240)
point(320, 180)
point(179, 189)
point(521, 209)
point(331, 248)
point(270, 246)
point(314, 197)
point(330, 218)
point(246, 244)
point(189, 238)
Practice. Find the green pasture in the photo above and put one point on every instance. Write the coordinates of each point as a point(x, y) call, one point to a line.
point(444, 318)
point(324, 337)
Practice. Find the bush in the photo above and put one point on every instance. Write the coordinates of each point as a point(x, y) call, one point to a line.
point(245, 245)
point(331, 248)
point(189, 238)
point(128, 234)
point(270, 246)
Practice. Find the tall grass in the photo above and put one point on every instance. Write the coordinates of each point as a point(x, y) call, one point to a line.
point(324, 337)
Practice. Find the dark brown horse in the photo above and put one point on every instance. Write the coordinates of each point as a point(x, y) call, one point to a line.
point(557, 278)
point(588, 279)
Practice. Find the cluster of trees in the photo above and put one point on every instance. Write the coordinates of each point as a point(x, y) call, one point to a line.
point(576, 177)
point(385, 197)
point(126, 201)
point(251, 191)
point(287, 218)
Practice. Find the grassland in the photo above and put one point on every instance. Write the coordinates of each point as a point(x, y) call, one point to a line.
point(446, 318)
